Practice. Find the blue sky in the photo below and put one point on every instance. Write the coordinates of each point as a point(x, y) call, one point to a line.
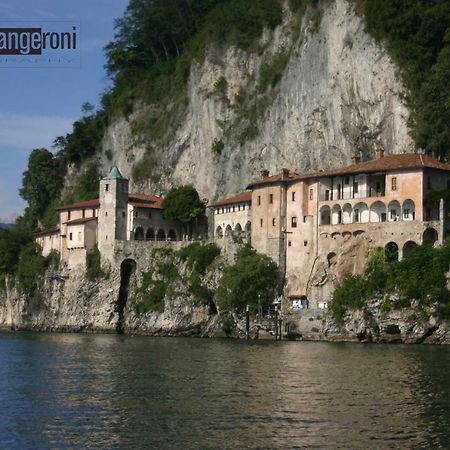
point(38, 104)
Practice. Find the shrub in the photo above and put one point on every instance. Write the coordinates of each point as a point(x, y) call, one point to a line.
point(217, 146)
point(93, 264)
point(199, 256)
point(30, 268)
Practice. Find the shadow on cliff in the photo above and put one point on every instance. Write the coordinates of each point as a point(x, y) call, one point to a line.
point(127, 269)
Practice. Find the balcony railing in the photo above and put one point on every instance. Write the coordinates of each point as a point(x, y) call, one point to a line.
point(351, 195)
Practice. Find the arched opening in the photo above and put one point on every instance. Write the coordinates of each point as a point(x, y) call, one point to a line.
point(238, 228)
point(430, 236)
point(248, 226)
point(139, 234)
point(325, 215)
point(346, 234)
point(127, 270)
point(358, 233)
point(219, 232)
point(172, 236)
point(378, 212)
point(161, 235)
point(228, 230)
point(409, 210)
point(335, 235)
point(361, 213)
point(347, 213)
point(150, 235)
point(394, 211)
point(391, 250)
point(331, 258)
point(408, 247)
point(336, 215)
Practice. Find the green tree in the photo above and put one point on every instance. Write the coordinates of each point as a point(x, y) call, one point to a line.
point(252, 277)
point(41, 183)
point(87, 184)
point(183, 204)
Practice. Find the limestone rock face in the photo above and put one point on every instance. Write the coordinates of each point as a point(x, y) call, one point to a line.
point(340, 94)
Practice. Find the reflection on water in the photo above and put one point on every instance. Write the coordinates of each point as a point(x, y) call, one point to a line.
point(86, 391)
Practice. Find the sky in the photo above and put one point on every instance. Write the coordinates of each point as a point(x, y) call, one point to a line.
point(40, 103)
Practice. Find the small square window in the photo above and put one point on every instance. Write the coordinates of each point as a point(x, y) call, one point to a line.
point(106, 187)
point(70, 236)
point(271, 198)
point(305, 243)
point(274, 222)
point(106, 213)
point(294, 222)
point(289, 243)
point(293, 196)
point(304, 219)
point(259, 200)
point(311, 194)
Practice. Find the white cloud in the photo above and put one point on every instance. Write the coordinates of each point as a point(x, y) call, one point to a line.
point(26, 132)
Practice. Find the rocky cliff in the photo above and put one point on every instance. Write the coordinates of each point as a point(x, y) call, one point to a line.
point(337, 93)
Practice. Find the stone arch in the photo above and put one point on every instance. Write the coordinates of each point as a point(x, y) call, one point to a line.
point(391, 249)
point(346, 234)
point(325, 215)
point(335, 235)
point(358, 233)
point(361, 213)
point(331, 258)
point(430, 236)
point(336, 215)
point(347, 213)
point(248, 226)
point(127, 270)
point(409, 210)
point(378, 212)
point(150, 235)
point(394, 211)
point(407, 247)
point(171, 235)
point(228, 230)
point(161, 235)
point(238, 228)
point(139, 234)
point(219, 232)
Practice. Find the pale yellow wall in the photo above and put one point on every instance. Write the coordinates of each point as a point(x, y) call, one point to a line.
point(230, 216)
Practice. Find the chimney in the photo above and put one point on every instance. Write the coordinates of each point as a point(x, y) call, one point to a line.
point(356, 159)
point(379, 153)
point(284, 174)
point(264, 174)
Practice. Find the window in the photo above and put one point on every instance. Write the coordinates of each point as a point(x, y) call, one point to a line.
point(83, 214)
point(356, 215)
point(123, 214)
point(305, 243)
point(394, 184)
point(311, 194)
point(294, 222)
point(135, 213)
point(70, 236)
point(261, 222)
point(393, 214)
point(293, 196)
point(271, 198)
point(429, 182)
point(259, 200)
point(355, 187)
point(304, 219)
point(347, 180)
point(289, 243)
point(106, 187)
point(106, 237)
point(68, 215)
point(327, 195)
point(274, 222)
point(106, 213)
point(406, 213)
point(339, 191)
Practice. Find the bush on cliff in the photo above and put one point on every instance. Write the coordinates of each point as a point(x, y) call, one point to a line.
point(253, 276)
point(199, 256)
point(93, 264)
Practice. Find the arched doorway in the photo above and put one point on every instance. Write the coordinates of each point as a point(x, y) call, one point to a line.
point(139, 234)
point(391, 249)
point(394, 211)
point(378, 212)
point(228, 230)
point(408, 247)
point(409, 210)
point(219, 232)
point(172, 236)
point(248, 227)
point(430, 236)
point(325, 215)
point(150, 235)
point(238, 228)
point(161, 235)
point(127, 270)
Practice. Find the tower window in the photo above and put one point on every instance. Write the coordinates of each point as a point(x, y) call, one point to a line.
point(106, 187)
point(261, 222)
point(311, 194)
point(123, 213)
point(259, 200)
point(294, 222)
point(70, 236)
point(274, 222)
point(293, 196)
point(106, 213)
point(394, 183)
point(271, 198)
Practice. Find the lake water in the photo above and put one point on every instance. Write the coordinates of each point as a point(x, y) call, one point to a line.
point(106, 391)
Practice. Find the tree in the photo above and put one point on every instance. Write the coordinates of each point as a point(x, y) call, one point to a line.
point(183, 204)
point(253, 277)
point(41, 183)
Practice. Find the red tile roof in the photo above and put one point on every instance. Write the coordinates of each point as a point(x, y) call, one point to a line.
point(145, 201)
point(274, 179)
point(94, 203)
point(244, 197)
point(392, 162)
point(80, 221)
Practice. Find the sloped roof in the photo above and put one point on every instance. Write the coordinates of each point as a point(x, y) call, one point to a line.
point(145, 201)
point(94, 203)
point(114, 174)
point(80, 221)
point(274, 179)
point(47, 232)
point(243, 197)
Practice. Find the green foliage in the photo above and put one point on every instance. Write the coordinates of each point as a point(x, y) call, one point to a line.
point(221, 85)
point(143, 170)
point(227, 324)
point(217, 146)
point(183, 204)
point(150, 295)
point(420, 276)
point(199, 291)
point(30, 268)
point(271, 72)
point(416, 33)
point(199, 256)
point(87, 183)
point(93, 264)
point(252, 276)
point(41, 183)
